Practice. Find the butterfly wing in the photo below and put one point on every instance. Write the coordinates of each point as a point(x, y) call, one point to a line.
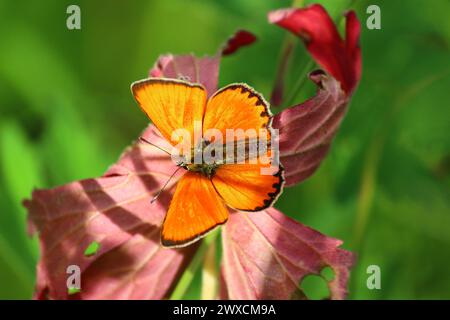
point(244, 186)
point(249, 186)
point(195, 209)
point(236, 106)
point(171, 104)
point(240, 108)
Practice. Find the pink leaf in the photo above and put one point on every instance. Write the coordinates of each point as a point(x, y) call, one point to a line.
point(342, 59)
point(306, 130)
point(190, 68)
point(203, 70)
point(266, 255)
point(114, 211)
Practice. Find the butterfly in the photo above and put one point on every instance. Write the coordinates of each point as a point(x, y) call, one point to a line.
point(203, 193)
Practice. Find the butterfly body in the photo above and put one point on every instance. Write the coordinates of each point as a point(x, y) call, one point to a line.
point(208, 170)
point(215, 177)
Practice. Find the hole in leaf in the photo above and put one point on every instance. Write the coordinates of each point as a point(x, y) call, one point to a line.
point(92, 249)
point(73, 290)
point(315, 287)
point(327, 273)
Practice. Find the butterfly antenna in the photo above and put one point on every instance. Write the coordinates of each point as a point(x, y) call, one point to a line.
point(164, 186)
point(152, 144)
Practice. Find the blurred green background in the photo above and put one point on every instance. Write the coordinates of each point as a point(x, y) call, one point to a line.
point(66, 113)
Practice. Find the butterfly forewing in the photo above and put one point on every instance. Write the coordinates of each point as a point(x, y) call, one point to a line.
point(171, 104)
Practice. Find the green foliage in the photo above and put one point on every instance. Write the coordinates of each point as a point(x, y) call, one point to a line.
point(66, 113)
point(20, 173)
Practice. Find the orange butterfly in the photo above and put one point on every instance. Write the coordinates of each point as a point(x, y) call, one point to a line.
point(202, 193)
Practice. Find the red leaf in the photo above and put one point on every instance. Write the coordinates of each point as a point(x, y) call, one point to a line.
point(203, 70)
point(267, 254)
point(190, 68)
point(306, 130)
point(342, 59)
point(115, 211)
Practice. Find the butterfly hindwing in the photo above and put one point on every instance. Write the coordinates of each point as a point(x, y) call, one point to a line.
point(247, 187)
point(195, 209)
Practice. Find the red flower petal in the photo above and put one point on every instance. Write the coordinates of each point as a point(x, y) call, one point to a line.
point(353, 30)
point(240, 39)
point(306, 130)
point(342, 59)
point(267, 254)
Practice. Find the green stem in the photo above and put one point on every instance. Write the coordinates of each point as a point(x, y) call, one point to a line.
point(300, 82)
point(189, 272)
point(367, 189)
point(210, 275)
point(298, 3)
point(284, 58)
point(283, 63)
